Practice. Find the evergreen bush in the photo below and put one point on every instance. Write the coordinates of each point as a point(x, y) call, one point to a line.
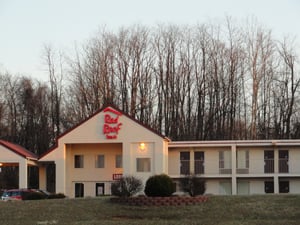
point(159, 186)
point(56, 196)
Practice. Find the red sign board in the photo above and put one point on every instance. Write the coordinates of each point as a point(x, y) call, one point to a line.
point(117, 176)
point(111, 125)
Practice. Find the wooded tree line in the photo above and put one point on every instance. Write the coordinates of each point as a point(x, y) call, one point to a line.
point(202, 82)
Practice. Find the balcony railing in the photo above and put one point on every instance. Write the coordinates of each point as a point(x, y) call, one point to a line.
point(199, 166)
point(225, 171)
point(260, 166)
point(242, 170)
point(184, 167)
point(269, 166)
point(283, 165)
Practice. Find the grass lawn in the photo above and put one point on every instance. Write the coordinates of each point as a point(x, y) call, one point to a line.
point(225, 210)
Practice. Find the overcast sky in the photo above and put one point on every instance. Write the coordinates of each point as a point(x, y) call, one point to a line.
point(26, 25)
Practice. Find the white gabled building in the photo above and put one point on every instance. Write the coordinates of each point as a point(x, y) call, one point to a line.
point(109, 144)
point(100, 150)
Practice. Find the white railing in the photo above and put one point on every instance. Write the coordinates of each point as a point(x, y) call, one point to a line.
point(184, 167)
point(199, 167)
point(256, 166)
point(283, 166)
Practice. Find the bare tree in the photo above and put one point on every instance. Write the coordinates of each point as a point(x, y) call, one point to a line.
point(259, 48)
point(215, 81)
point(56, 85)
point(289, 84)
point(9, 90)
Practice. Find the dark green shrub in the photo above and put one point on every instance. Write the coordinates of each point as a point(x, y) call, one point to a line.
point(33, 196)
point(126, 186)
point(193, 185)
point(159, 186)
point(56, 196)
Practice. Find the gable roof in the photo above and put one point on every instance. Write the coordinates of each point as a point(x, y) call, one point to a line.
point(106, 108)
point(19, 150)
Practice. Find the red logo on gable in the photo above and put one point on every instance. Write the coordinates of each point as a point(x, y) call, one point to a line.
point(111, 125)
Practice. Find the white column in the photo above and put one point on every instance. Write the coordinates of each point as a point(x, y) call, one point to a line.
point(166, 157)
point(160, 156)
point(192, 161)
point(128, 159)
point(276, 171)
point(276, 184)
point(276, 161)
point(60, 177)
point(23, 175)
point(233, 170)
point(60, 173)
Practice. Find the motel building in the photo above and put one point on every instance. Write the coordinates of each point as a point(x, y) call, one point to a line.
point(110, 144)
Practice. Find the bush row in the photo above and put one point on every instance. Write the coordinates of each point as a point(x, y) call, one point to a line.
point(157, 186)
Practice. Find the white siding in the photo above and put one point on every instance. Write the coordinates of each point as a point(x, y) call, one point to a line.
point(257, 187)
point(295, 186)
point(225, 188)
point(294, 161)
point(256, 161)
point(212, 187)
point(174, 168)
point(243, 188)
point(211, 162)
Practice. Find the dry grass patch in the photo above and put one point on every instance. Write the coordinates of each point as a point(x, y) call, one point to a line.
point(225, 210)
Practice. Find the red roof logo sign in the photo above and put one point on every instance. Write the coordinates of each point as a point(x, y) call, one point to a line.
point(111, 125)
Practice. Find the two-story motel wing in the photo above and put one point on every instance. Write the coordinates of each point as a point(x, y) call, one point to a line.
point(239, 167)
point(109, 144)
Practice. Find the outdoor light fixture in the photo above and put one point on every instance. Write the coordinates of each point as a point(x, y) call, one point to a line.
point(142, 146)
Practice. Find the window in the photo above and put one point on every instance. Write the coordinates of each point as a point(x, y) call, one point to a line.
point(269, 186)
point(143, 165)
point(184, 163)
point(78, 161)
point(199, 162)
point(283, 161)
point(100, 161)
point(225, 162)
point(269, 161)
point(242, 161)
point(284, 186)
point(119, 161)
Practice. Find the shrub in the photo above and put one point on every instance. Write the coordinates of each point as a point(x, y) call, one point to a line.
point(159, 186)
point(126, 186)
point(193, 185)
point(56, 196)
point(33, 196)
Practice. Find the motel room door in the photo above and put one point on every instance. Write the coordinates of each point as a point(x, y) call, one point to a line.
point(99, 189)
point(79, 190)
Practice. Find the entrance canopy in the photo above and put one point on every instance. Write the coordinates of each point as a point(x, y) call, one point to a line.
point(14, 155)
